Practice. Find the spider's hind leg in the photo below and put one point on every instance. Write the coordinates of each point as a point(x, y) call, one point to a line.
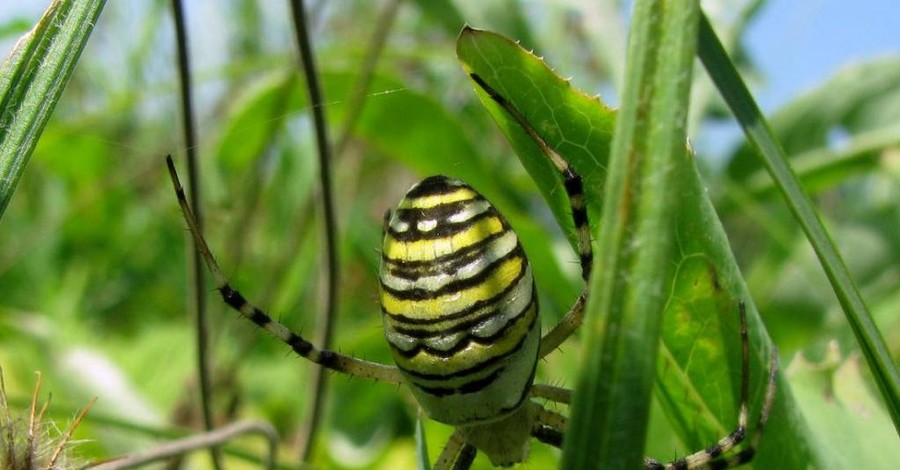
point(716, 455)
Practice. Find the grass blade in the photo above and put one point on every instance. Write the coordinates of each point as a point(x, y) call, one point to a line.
point(610, 408)
point(422, 461)
point(197, 269)
point(325, 325)
point(735, 93)
point(33, 78)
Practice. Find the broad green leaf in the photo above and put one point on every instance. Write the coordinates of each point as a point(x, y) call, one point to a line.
point(33, 78)
point(577, 126)
point(699, 363)
point(699, 366)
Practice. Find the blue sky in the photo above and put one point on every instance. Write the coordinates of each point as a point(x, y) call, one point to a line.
point(798, 44)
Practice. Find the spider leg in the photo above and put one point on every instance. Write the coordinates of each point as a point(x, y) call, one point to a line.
point(566, 326)
point(457, 454)
point(328, 359)
point(549, 426)
point(769, 399)
point(552, 393)
point(575, 191)
point(547, 435)
point(746, 454)
point(714, 456)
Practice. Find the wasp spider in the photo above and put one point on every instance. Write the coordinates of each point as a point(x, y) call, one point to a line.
point(461, 319)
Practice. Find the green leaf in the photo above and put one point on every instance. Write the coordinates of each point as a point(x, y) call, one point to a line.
point(699, 366)
point(32, 79)
point(577, 126)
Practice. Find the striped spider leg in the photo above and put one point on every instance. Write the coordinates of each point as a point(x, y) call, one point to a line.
point(323, 357)
point(719, 454)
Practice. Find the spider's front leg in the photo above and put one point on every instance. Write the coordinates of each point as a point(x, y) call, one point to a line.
point(572, 182)
point(328, 359)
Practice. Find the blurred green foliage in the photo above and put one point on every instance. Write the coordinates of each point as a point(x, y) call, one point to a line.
point(93, 277)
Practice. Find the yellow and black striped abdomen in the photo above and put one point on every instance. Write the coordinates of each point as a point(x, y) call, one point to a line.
point(458, 303)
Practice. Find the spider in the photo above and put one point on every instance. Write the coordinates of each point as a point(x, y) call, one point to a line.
point(460, 316)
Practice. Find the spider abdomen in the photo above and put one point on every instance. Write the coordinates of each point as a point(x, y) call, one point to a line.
point(458, 303)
